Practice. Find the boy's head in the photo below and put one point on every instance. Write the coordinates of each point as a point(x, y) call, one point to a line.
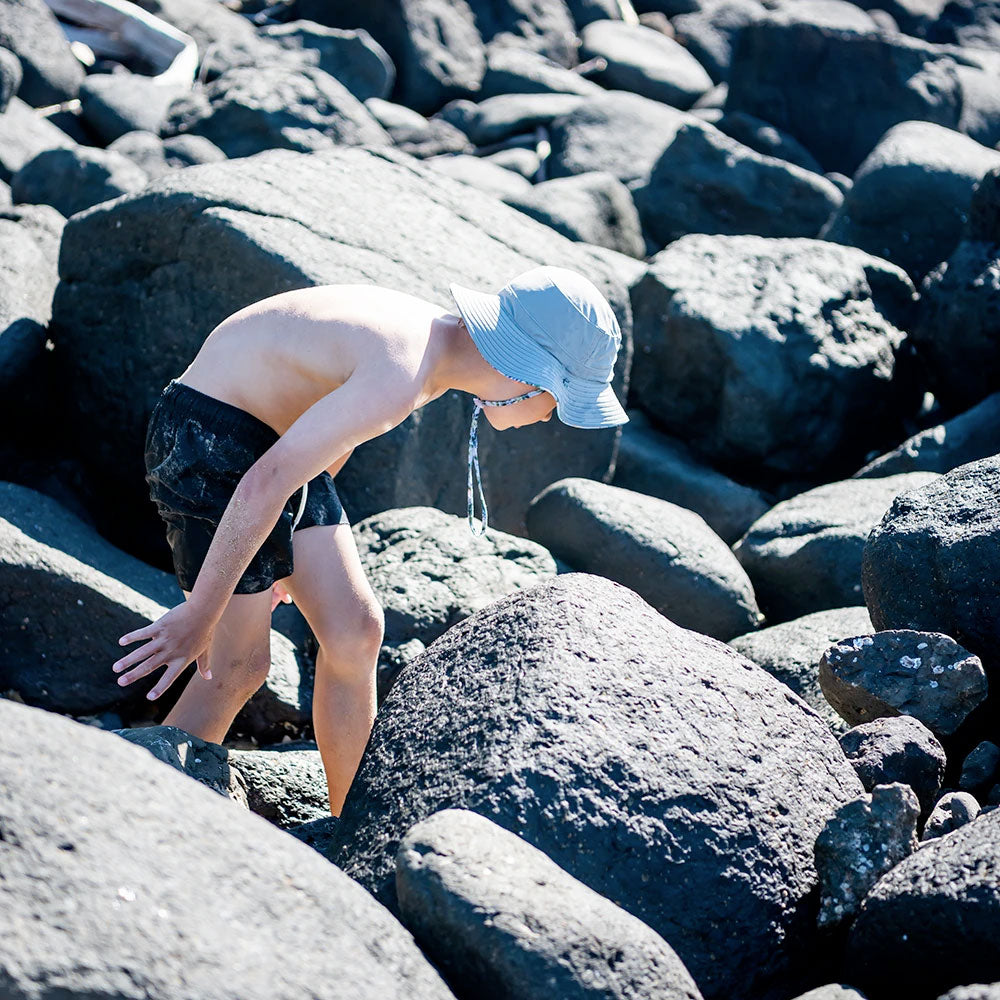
point(550, 327)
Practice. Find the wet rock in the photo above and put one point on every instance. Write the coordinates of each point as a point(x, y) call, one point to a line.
point(772, 358)
point(952, 810)
point(804, 554)
point(903, 672)
point(933, 921)
point(50, 71)
point(113, 104)
point(897, 749)
point(72, 180)
point(792, 650)
point(109, 874)
point(644, 61)
point(581, 720)
point(706, 182)
point(981, 768)
point(10, 76)
point(668, 555)
point(499, 918)
point(864, 840)
point(513, 69)
point(23, 135)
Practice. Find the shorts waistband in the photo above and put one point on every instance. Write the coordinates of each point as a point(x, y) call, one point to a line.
point(183, 400)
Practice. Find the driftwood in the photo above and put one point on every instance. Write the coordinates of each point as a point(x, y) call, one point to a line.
point(118, 29)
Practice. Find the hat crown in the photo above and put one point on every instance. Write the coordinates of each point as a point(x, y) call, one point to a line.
point(565, 313)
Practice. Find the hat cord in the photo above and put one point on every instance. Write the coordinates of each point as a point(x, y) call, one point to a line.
point(474, 458)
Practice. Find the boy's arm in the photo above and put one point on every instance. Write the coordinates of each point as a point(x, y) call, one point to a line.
point(339, 464)
point(362, 408)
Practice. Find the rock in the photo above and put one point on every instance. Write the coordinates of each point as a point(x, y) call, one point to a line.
point(978, 991)
point(804, 554)
point(23, 135)
point(317, 833)
point(11, 75)
point(668, 555)
point(581, 720)
point(506, 115)
point(897, 749)
point(970, 436)
point(520, 160)
point(663, 466)
point(984, 209)
point(981, 768)
point(593, 208)
point(157, 156)
point(792, 650)
point(863, 841)
point(933, 920)
point(429, 572)
point(709, 30)
point(952, 810)
point(231, 233)
point(73, 180)
point(513, 69)
point(110, 878)
point(772, 358)
point(393, 657)
point(914, 163)
point(114, 104)
point(706, 182)
point(249, 109)
point(434, 44)
point(50, 71)
point(353, 57)
point(903, 672)
point(768, 140)
point(481, 174)
point(285, 783)
point(930, 563)
point(832, 991)
point(416, 135)
point(499, 918)
point(644, 61)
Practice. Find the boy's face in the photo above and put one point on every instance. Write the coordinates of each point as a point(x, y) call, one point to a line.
point(529, 411)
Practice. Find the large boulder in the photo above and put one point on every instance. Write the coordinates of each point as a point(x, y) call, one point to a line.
point(709, 30)
point(104, 879)
point(114, 104)
point(580, 719)
point(667, 554)
point(51, 72)
point(23, 135)
point(773, 358)
point(514, 69)
point(932, 922)
point(546, 28)
point(497, 118)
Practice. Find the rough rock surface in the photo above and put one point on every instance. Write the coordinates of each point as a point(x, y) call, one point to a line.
point(981, 768)
point(51, 73)
point(581, 720)
point(23, 135)
point(285, 783)
point(501, 919)
point(952, 810)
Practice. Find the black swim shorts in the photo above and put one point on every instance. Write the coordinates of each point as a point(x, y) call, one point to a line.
point(197, 450)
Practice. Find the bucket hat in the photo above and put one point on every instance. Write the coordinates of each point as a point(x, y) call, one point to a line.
point(552, 328)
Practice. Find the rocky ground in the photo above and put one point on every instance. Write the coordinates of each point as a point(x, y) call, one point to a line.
point(711, 713)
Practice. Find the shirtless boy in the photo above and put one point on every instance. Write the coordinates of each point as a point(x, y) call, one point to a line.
point(279, 395)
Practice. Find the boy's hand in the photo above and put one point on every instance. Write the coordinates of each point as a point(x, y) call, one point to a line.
point(174, 640)
point(279, 596)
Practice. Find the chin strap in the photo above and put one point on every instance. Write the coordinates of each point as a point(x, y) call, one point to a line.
point(474, 456)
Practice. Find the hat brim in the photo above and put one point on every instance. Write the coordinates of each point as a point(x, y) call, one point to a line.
point(579, 402)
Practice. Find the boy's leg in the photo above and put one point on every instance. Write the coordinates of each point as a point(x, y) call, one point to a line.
point(330, 587)
point(239, 658)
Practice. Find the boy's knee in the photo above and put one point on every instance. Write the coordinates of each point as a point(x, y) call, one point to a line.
point(356, 637)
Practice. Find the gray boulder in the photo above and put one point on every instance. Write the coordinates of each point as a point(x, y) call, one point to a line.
point(104, 879)
point(978, 991)
point(514, 69)
point(546, 28)
point(284, 783)
point(707, 182)
point(952, 810)
point(767, 140)
point(981, 768)
point(11, 75)
point(114, 104)
point(580, 719)
point(772, 358)
point(23, 135)
point(499, 918)
point(804, 554)
point(156, 156)
point(933, 921)
point(792, 650)
point(832, 991)
point(710, 29)
point(50, 71)
point(914, 163)
point(668, 555)
point(480, 173)
point(416, 135)
point(498, 118)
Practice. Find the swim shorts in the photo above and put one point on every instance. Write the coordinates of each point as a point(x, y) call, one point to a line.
point(197, 450)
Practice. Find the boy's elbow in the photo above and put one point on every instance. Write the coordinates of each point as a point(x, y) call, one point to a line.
point(264, 487)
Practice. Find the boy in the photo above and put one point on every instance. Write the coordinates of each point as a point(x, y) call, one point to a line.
point(279, 395)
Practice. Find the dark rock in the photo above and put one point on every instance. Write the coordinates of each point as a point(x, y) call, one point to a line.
point(23, 135)
point(709, 31)
point(514, 69)
point(434, 44)
point(73, 180)
point(416, 135)
point(668, 555)
point(353, 57)
point(158, 157)
point(984, 209)
point(914, 163)
point(763, 137)
point(931, 562)
point(933, 920)
point(285, 783)
point(10, 76)
point(479, 173)
point(903, 672)
point(952, 810)
point(111, 875)
point(662, 466)
point(897, 749)
point(499, 118)
point(114, 104)
point(581, 720)
point(50, 71)
point(250, 109)
point(317, 833)
point(772, 358)
point(981, 768)
point(804, 554)
point(546, 28)
point(864, 840)
point(963, 22)
point(791, 652)
point(592, 208)
point(644, 61)
point(499, 918)
point(706, 182)
point(970, 436)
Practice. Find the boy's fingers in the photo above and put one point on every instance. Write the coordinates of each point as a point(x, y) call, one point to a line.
point(146, 667)
point(140, 633)
point(164, 682)
point(134, 657)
